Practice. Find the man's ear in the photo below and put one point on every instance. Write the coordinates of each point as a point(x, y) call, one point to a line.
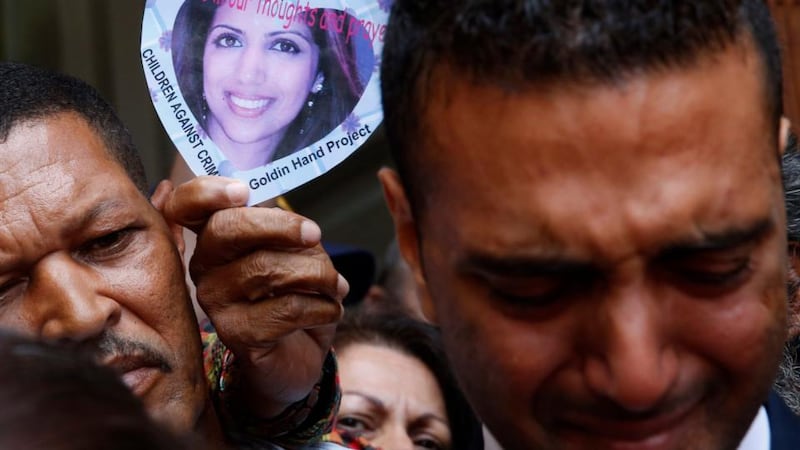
point(159, 199)
point(783, 138)
point(407, 237)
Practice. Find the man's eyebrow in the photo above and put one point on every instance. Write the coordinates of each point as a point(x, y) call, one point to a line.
point(75, 224)
point(722, 240)
point(546, 264)
point(97, 212)
point(476, 262)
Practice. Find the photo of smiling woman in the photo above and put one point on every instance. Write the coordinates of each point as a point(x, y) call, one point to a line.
point(263, 88)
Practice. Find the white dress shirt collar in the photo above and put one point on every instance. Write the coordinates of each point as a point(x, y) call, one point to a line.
point(758, 436)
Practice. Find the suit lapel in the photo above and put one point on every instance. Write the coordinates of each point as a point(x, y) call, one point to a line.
point(784, 426)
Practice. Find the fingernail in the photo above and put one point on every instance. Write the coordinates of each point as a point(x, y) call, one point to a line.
point(237, 193)
point(343, 287)
point(310, 232)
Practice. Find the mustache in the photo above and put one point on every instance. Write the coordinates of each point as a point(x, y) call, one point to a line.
point(109, 345)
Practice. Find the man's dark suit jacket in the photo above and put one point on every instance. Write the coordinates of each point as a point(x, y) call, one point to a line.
point(784, 426)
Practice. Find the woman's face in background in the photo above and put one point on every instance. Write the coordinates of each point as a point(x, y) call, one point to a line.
point(257, 76)
point(391, 399)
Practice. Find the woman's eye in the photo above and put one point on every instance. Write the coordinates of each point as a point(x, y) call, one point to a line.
point(285, 46)
point(353, 425)
point(428, 444)
point(227, 41)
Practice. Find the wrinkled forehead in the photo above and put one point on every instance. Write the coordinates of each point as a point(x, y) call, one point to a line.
point(60, 135)
point(58, 162)
point(648, 111)
point(362, 358)
point(686, 146)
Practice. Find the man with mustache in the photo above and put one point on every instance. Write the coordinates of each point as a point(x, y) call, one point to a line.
point(589, 196)
point(86, 259)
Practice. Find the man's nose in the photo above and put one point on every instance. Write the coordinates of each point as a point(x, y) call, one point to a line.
point(251, 65)
point(69, 300)
point(631, 360)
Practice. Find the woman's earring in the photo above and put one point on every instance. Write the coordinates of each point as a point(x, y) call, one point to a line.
point(310, 105)
point(314, 91)
point(307, 115)
point(204, 108)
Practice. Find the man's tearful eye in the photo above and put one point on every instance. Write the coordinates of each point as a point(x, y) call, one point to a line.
point(711, 274)
point(537, 291)
point(107, 245)
point(12, 289)
point(717, 264)
point(715, 273)
point(541, 295)
point(530, 284)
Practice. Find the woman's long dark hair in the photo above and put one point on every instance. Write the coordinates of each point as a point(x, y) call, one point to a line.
point(341, 90)
point(423, 342)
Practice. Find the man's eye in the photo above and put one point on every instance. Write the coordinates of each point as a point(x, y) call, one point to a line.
point(285, 46)
point(227, 41)
point(12, 289)
point(534, 292)
point(107, 245)
point(714, 273)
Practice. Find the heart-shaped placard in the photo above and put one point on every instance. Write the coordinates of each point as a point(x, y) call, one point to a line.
point(272, 92)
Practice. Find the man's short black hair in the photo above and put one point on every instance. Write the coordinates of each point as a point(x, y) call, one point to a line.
point(31, 93)
point(510, 43)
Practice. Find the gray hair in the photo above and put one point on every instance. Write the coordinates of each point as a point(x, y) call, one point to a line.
point(787, 383)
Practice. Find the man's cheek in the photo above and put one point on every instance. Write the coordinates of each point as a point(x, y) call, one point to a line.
point(743, 342)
